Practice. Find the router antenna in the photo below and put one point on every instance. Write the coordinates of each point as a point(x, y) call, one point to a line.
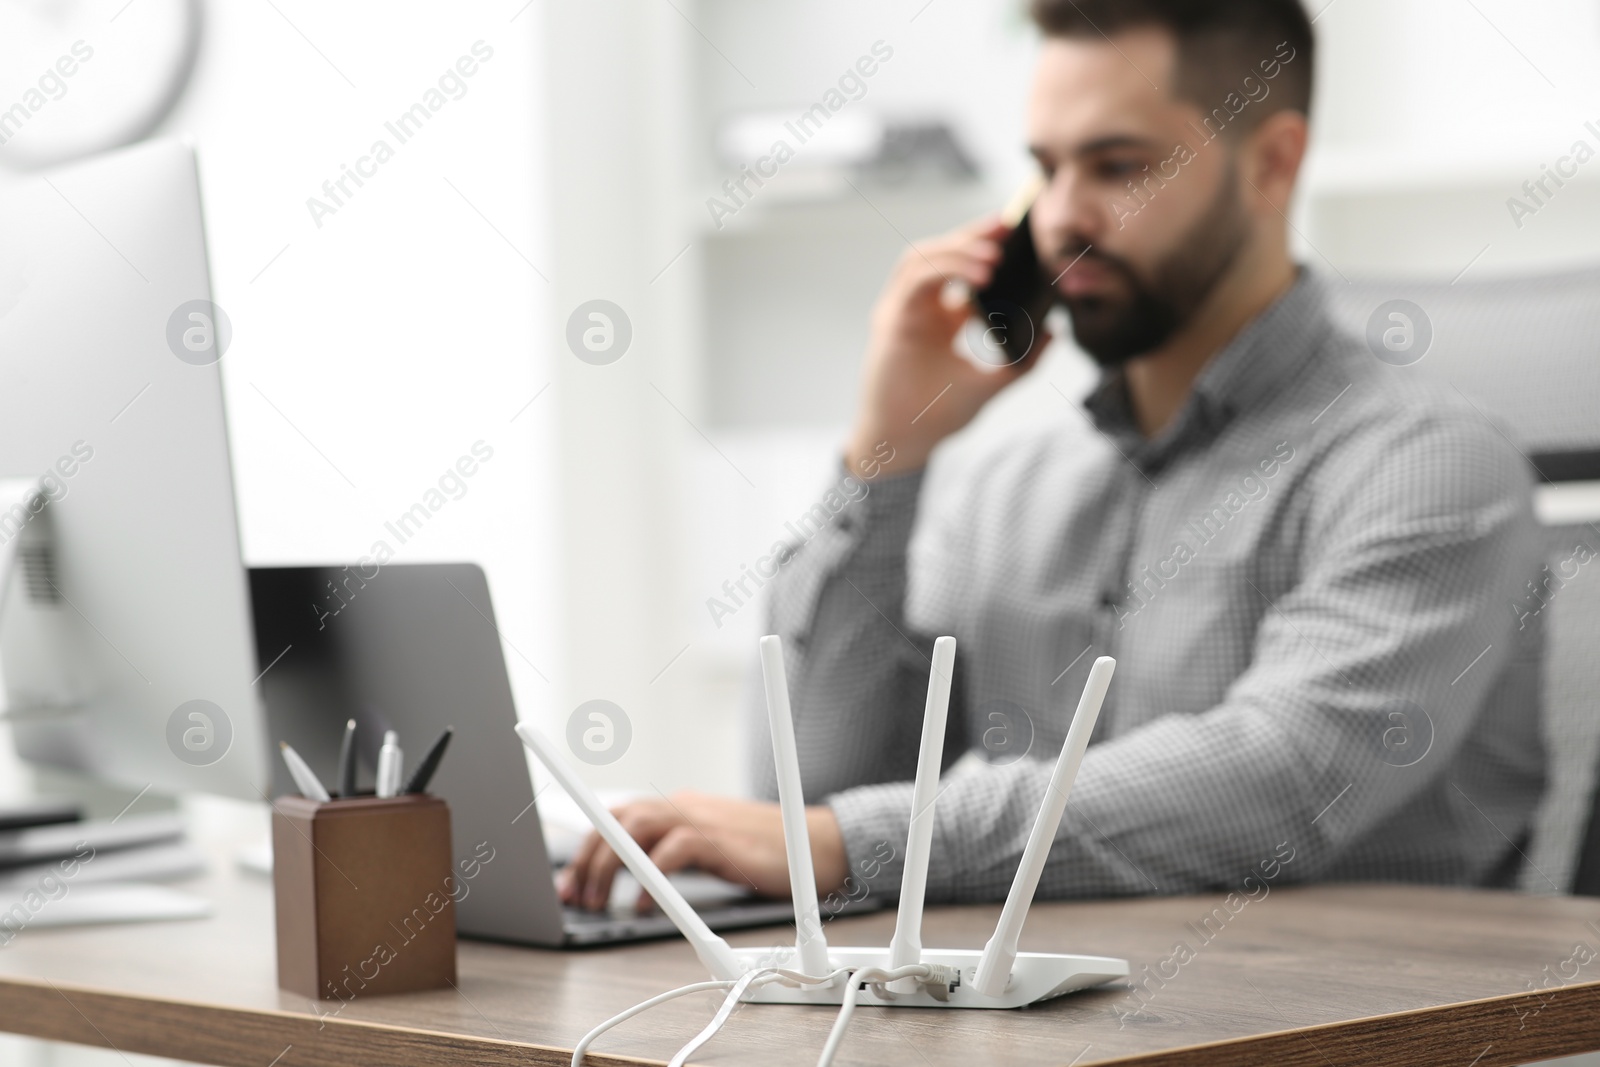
point(809, 941)
point(994, 967)
point(905, 948)
point(713, 951)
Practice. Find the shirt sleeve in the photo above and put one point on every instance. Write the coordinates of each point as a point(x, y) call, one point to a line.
point(1417, 536)
point(856, 671)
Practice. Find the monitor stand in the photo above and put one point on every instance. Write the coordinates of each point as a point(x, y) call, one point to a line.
point(20, 500)
point(37, 682)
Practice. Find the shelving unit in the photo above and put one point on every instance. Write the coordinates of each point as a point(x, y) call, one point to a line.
point(1427, 119)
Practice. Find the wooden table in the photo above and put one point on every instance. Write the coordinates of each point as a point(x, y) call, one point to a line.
point(1322, 977)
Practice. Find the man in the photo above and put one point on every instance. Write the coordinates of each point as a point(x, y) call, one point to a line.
point(1300, 558)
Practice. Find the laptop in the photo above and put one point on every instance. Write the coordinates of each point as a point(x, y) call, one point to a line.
point(413, 648)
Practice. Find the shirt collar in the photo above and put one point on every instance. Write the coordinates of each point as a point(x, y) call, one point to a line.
point(1260, 359)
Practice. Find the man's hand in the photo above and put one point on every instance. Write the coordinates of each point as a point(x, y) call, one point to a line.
point(917, 389)
point(737, 840)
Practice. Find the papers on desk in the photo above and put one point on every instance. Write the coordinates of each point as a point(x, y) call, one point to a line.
point(166, 862)
point(96, 871)
point(42, 844)
point(83, 905)
point(256, 857)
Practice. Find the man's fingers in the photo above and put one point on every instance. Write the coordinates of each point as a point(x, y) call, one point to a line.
point(682, 847)
point(575, 877)
point(963, 259)
point(989, 226)
point(572, 876)
point(646, 822)
point(982, 248)
point(925, 279)
point(597, 879)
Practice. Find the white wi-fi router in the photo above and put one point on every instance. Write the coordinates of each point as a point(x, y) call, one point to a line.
point(997, 977)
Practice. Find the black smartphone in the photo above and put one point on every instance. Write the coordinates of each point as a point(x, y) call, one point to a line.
point(1012, 307)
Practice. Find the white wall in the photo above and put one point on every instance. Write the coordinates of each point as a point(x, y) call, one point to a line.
point(373, 350)
point(369, 353)
point(375, 345)
point(409, 325)
point(780, 299)
point(1431, 114)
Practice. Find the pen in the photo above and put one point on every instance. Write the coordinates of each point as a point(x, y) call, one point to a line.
point(389, 764)
point(307, 781)
point(347, 761)
point(430, 763)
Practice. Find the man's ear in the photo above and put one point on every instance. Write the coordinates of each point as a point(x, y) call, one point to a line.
point(1272, 156)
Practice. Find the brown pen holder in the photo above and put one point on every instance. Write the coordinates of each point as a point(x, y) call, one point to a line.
point(362, 889)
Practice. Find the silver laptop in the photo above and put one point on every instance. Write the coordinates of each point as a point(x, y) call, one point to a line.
point(413, 648)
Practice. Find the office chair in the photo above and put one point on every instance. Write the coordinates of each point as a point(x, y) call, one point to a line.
point(1586, 883)
point(1526, 350)
point(1567, 835)
point(1572, 680)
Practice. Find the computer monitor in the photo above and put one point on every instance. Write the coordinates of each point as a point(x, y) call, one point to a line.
point(125, 635)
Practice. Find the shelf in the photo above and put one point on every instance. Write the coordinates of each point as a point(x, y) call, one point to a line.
point(826, 201)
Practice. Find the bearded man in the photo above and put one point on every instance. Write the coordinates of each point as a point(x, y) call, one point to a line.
point(1301, 558)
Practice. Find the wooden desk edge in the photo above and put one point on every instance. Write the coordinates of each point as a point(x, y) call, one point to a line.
point(248, 1037)
point(1504, 1030)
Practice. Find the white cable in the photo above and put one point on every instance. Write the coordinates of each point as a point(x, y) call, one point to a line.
point(729, 1002)
point(877, 976)
point(789, 977)
point(622, 1017)
point(761, 977)
point(764, 976)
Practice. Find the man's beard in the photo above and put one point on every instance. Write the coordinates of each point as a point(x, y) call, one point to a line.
point(1116, 329)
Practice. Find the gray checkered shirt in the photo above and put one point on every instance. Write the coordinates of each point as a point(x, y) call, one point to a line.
point(1309, 584)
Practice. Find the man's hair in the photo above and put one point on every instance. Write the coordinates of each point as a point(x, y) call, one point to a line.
point(1220, 43)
